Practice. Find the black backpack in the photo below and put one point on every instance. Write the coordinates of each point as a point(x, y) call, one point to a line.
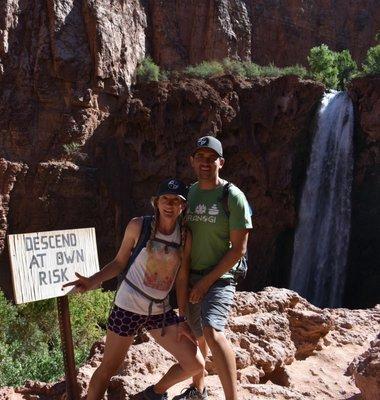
point(241, 269)
point(141, 243)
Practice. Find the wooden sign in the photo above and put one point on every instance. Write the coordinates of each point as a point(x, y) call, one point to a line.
point(43, 261)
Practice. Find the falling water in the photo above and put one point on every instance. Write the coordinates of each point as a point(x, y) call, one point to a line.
point(322, 236)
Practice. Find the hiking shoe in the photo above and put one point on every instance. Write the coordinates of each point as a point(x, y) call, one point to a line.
point(150, 394)
point(191, 393)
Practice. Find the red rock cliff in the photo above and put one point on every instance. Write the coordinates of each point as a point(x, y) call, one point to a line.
point(283, 31)
point(65, 74)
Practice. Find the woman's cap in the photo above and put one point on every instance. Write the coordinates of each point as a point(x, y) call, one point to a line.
point(172, 186)
point(209, 142)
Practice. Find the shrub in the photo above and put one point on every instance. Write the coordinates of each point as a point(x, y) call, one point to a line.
point(270, 70)
point(298, 70)
point(233, 67)
point(251, 69)
point(30, 339)
point(323, 65)
point(148, 71)
point(347, 68)
point(371, 63)
point(71, 148)
point(205, 69)
point(334, 69)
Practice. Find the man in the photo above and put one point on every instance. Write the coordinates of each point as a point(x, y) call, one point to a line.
point(219, 242)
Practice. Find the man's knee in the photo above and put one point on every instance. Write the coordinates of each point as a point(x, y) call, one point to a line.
point(211, 335)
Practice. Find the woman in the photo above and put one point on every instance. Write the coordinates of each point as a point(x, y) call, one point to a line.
point(142, 298)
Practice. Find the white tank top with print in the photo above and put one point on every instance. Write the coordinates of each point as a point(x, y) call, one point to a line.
point(152, 272)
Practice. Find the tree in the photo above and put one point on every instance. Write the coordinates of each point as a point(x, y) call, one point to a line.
point(371, 63)
point(347, 68)
point(324, 66)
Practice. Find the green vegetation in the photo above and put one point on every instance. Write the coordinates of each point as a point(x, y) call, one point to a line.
point(371, 63)
point(30, 339)
point(347, 68)
point(205, 69)
point(334, 69)
point(245, 69)
point(148, 71)
point(71, 148)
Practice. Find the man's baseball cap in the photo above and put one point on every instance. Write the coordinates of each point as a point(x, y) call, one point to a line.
point(172, 186)
point(209, 142)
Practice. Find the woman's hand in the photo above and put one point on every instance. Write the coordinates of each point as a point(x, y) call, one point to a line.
point(183, 329)
point(83, 284)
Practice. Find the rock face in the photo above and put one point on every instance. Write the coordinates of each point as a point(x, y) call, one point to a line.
point(265, 131)
point(87, 149)
point(364, 255)
point(188, 32)
point(285, 349)
point(264, 125)
point(292, 28)
point(366, 371)
point(282, 32)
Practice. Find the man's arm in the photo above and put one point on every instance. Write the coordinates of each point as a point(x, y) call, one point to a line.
point(238, 239)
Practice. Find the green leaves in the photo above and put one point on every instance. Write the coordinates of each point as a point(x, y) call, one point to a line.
point(334, 69)
point(30, 344)
point(245, 69)
point(148, 71)
point(371, 63)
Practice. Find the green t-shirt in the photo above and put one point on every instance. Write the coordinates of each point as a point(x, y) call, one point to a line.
point(210, 225)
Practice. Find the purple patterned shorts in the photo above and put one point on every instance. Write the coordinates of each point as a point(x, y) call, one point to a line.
point(126, 323)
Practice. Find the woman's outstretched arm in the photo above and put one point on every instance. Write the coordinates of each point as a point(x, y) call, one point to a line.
point(113, 268)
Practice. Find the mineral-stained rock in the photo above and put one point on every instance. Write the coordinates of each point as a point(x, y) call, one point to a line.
point(188, 32)
point(366, 371)
point(266, 341)
point(283, 31)
point(364, 254)
point(99, 163)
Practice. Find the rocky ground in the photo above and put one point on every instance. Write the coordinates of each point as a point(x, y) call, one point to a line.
point(285, 349)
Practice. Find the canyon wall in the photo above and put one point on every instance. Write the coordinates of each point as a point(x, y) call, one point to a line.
point(80, 146)
point(278, 31)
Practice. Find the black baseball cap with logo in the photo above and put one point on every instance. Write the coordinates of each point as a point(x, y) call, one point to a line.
point(172, 186)
point(209, 142)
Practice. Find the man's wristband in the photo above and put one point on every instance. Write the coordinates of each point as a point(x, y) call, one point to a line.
point(181, 318)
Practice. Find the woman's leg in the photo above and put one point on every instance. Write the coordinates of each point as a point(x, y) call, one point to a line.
point(189, 357)
point(198, 380)
point(114, 352)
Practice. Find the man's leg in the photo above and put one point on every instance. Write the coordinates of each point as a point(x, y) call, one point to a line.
point(224, 361)
point(215, 309)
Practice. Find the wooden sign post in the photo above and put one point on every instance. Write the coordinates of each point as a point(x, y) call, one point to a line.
point(41, 263)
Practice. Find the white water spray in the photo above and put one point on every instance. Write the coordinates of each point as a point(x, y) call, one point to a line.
point(322, 236)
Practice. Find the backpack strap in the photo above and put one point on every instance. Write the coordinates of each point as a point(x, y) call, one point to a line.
point(224, 198)
point(141, 243)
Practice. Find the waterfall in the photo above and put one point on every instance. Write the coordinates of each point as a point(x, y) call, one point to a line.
point(322, 236)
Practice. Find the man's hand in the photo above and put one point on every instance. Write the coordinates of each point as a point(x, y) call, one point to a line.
point(183, 329)
point(199, 290)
